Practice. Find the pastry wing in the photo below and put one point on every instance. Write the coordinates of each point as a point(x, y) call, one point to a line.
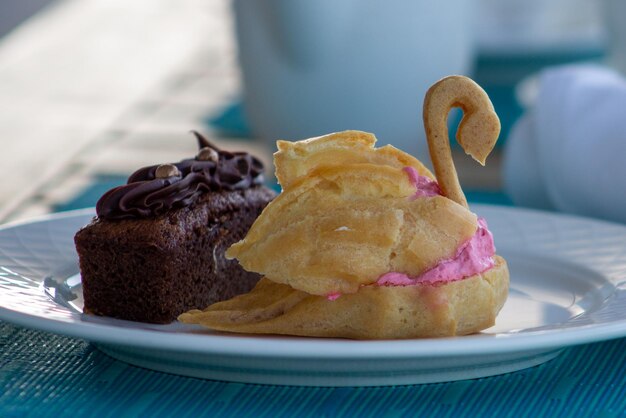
point(342, 227)
point(295, 160)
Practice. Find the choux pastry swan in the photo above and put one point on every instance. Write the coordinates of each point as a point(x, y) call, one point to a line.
point(366, 243)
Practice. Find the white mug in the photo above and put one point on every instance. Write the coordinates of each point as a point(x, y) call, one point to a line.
point(312, 67)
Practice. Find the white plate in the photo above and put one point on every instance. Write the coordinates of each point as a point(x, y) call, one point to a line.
point(568, 287)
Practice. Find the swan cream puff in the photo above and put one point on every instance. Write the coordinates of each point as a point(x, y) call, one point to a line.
point(367, 243)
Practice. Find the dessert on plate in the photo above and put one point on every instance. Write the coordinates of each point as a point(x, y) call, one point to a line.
point(156, 248)
point(366, 243)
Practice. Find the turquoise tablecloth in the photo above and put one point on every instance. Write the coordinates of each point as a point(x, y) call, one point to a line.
point(45, 375)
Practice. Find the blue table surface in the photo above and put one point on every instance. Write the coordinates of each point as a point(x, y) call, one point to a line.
point(43, 375)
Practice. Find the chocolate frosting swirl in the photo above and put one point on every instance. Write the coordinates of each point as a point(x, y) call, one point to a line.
point(145, 195)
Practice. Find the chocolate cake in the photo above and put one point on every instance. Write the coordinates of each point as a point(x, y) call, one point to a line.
point(156, 248)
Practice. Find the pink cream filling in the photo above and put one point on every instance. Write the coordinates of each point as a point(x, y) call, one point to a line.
point(333, 296)
point(472, 257)
point(424, 186)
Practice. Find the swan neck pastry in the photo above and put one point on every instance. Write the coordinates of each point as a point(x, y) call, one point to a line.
point(477, 133)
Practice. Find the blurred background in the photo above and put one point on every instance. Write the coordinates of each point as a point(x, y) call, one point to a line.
point(90, 90)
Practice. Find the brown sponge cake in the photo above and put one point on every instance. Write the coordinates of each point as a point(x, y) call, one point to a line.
point(152, 270)
point(151, 258)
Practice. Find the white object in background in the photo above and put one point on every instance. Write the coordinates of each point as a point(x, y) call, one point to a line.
point(567, 152)
point(522, 175)
point(314, 67)
point(615, 22)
